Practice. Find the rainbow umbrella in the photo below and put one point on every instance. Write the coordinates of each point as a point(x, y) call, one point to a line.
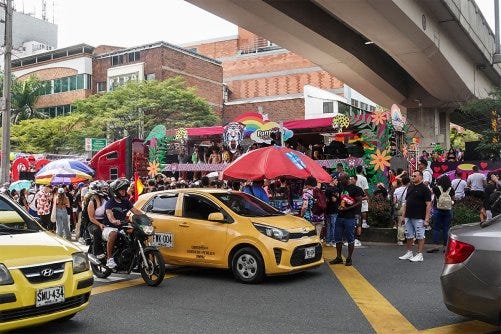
point(70, 164)
point(59, 176)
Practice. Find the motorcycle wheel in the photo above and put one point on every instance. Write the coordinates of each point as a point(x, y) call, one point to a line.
point(154, 273)
point(100, 271)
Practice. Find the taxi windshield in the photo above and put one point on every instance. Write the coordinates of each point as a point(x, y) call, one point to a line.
point(13, 219)
point(246, 205)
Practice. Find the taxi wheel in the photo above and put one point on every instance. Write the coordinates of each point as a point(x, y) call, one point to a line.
point(247, 265)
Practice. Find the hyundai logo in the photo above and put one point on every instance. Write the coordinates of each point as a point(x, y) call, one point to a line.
point(47, 272)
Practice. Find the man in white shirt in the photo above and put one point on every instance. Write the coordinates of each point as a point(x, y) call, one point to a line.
point(458, 184)
point(362, 183)
point(426, 171)
point(476, 182)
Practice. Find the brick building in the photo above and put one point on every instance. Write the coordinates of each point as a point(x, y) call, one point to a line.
point(159, 61)
point(260, 76)
point(67, 73)
point(78, 71)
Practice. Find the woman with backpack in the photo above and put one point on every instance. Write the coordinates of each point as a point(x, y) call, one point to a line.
point(309, 211)
point(442, 211)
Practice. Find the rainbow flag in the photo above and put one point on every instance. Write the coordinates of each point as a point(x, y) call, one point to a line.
point(139, 187)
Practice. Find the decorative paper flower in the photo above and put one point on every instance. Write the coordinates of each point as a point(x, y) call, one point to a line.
point(341, 121)
point(379, 117)
point(352, 162)
point(380, 159)
point(181, 134)
point(153, 168)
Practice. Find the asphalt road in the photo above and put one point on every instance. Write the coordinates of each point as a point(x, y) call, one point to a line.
point(379, 294)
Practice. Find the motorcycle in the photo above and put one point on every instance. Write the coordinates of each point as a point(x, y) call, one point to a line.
point(132, 252)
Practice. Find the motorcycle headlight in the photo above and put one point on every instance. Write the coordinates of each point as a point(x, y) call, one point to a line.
point(148, 230)
point(5, 278)
point(272, 232)
point(80, 263)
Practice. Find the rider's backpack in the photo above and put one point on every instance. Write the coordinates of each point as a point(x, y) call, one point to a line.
point(444, 201)
point(319, 202)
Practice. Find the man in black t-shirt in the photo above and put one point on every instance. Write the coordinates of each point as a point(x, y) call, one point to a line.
point(332, 197)
point(349, 207)
point(416, 215)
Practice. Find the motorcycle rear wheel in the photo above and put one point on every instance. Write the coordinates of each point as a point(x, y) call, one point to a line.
point(101, 271)
point(154, 273)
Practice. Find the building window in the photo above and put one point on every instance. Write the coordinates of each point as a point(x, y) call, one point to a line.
point(354, 103)
point(150, 76)
point(101, 86)
point(364, 106)
point(133, 56)
point(114, 82)
point(194, 50)
point(328, 107)
point(80, 81)
point(57, 110)
point(117, 60)
point(372, 108)
point(73, 82)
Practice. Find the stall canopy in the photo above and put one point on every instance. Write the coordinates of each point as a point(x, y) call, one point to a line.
point(291, 125)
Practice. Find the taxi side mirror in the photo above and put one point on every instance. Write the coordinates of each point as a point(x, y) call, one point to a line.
point(216, 216)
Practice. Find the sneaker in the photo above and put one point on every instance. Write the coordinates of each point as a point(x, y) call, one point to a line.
point(337, 260)
point(100, 256)
point(111, 263)
point(365, 225)
point(417, 258)
point(400, 243)
point(357, 243)
point(407, 256)
point(345, 243)
point(348, 262)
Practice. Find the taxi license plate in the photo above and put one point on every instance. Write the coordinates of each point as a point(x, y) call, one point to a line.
point(50, 296)
point(163, 240)
point(309, 253)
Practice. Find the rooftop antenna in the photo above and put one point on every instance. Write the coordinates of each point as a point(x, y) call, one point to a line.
point(44, 10)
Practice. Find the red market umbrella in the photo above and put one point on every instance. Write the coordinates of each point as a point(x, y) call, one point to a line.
point(272, 162)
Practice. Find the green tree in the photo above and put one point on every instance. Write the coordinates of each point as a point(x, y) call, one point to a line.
point(148, 103)
point(480, 111)
point(65, 134)
point(25, 94)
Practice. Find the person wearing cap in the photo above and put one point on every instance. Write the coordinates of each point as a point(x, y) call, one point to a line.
point(62, 205)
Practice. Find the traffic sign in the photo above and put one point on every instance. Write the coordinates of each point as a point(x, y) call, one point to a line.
point(95, 144)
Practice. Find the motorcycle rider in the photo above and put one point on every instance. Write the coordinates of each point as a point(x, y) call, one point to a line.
point(93, 213)
point(116, 211)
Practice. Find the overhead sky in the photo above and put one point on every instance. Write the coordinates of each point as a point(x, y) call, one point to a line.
point(130, 22)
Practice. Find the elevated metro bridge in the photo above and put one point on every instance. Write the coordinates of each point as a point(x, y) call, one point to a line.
point(428, 56)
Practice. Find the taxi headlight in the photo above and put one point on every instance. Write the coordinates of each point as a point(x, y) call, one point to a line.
point(5, 278)
point(272, 232)
point(80, 263)
point(148, 230)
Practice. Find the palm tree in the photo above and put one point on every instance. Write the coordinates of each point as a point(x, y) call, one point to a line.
point(24, 96)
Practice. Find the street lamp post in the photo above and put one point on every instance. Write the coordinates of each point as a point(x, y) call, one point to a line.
point(5, 167)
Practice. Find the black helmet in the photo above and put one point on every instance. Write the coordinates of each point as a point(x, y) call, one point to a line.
point(119, 184)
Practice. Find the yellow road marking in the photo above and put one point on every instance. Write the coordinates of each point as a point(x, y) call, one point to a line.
point(464, 327)
point(381, 314)
point(121, 285)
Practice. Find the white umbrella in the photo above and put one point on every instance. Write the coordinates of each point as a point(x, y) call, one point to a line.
point(212, 174)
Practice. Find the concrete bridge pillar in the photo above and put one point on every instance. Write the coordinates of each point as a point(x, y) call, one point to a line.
point(433, 125)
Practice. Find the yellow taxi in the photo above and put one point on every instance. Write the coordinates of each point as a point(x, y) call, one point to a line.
point(230, 230)
point(42, 277)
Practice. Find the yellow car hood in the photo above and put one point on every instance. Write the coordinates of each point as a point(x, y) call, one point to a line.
point(287, 222)
point(29, 248)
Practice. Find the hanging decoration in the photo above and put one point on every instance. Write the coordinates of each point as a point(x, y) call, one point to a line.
point(181, 134)
point(153, 168)
point(340, 121)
